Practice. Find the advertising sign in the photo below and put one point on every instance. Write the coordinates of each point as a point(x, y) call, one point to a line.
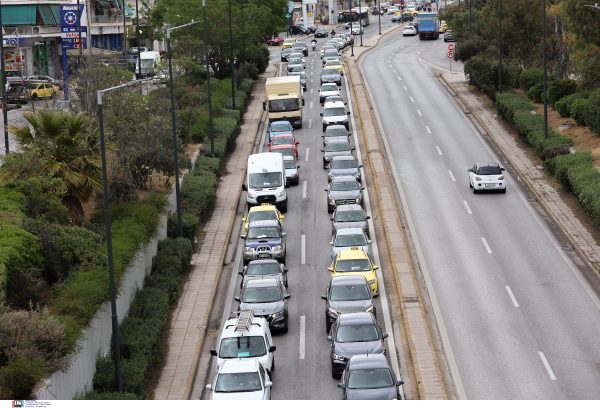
point(310, 17)
point(13, 59)
point(70, 20)
point(68, 15)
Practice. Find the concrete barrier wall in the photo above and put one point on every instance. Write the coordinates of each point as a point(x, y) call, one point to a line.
point(97, 338)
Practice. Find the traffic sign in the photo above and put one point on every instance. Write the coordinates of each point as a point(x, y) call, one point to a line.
point(450, 47)
point(352, 37)
point(288, 15)
point(450, 54)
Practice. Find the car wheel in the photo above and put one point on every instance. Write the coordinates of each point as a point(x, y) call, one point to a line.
point(329, 210)
point(445, 40)
point(273, 364)
point(285, 328)
point(333, 373)
point(504, 191)
point(475, 191)
point(34, 97)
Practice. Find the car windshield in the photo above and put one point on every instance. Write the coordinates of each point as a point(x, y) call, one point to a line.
point(297, 55)
point(234, 347)
point(289, 164)
point(335, 112)
point(376, 378)
point(330, 71)
point(344, 186)
point(265, 180)
point(357, 332)
point(298, 45)
point(296, 68)
point(350, 240)
point(331, 131)
point(329, 87)
point(353, 265)
point(333, 98)
point(287, 51)
point(285, 152)
point(280, 127)
point(262, 295)
point(295, 61)
point(263, 232)
point(332, 63)
point(349, 216)
point(349, 292)
point(262, 216)
point(343, 164)
point(270, 268)
point(32, 86)
point(283, 105)
point(330, 53)
point(337, 147)
point(238, 382)
point(489, 171)
point(283, 140)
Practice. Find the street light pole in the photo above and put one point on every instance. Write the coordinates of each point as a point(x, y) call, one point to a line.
point(111, 271)
point(3, 75)
point(137, 33)
point(177, 186)
point(210, 118)
point(360, 21)
point(231, 49)
point(545, 73)
point(500, 65)
point(79, 28)
point(379, 12)
point(470, 18)
point(243, 30)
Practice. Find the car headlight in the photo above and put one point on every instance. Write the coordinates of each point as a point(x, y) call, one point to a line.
point(278, 314)
point(331, 200)
point(280, 194)
point(372, 281)
point(338, 357)
point(332, 312)
point(357, 200)
point(251, 196)
point(325, 122)
point(356, 176)
point(277, 248)
point(327, 158)
point(247, 249)
point(369, 309)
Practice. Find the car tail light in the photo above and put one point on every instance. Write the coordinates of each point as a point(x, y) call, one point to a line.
point(478, 178)
point(501, 178)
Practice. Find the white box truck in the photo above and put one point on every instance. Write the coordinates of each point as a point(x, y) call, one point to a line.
point(150, 61)
point(283, 100)
point(265, 180)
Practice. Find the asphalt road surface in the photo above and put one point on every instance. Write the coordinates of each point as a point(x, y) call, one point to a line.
point(521, 319)
point(303, 367)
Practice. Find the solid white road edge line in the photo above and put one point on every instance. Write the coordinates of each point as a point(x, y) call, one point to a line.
point(487, 247)
point(451, 175)
point(458, 385)
point(304, 187)
point(302, 330)
point(547, 365)
point(303, 249)
point(512, 296)
point(467, 207)
point(381, 283)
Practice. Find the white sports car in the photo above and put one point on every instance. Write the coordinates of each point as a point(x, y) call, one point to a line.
point(487, 176)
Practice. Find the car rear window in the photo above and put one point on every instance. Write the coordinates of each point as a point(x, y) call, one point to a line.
point(234, 347)
point(329, 87)
point(280, 127)
point(263, 269)
point(357, 332)
point(353, 265)
point(283, 140)
point(343, 164)
point(489, 170)
point(329, 112)
point(344, 186)
point(331, 71)
point(341, 131)
point(349, 292)
point(262, 216)
point(337, 147)
point(349, 216)
point(262, 295)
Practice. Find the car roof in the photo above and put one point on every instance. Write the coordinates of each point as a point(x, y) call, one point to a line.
point(239, 365)
point(256, 328)
point(268, 207)
point(264, 223)
point(263, 262)
point(349, 280)
point(347, 319)
point(352, 254)
point(350, 231)
point(261, 283)
point(368, 361)
point(488, 165)
point(283, 135)
point(334, 104)
point(349, 207)
point(343, 158)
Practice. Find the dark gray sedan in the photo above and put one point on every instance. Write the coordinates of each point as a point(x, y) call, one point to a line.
point(347, 294)
point(335, 148)
point(268, 298)
point(343, 190)
point(331, 75)
point(343, 166)
point(330, 55)
point(334, 132)
point(369, 377)
point(264, 269)
point(349, 216)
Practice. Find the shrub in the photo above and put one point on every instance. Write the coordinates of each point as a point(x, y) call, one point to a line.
point(247, 85)
point(199, 192)
point(508, 104)
point(525, 122)
point(150, 303)
point(140, 337)
point(568, 100)
point(11, 205)
point(536, 93)
point(232, 113)
point(529, 78)
point(189, 225)
point(591, 112)
point(181, 247)
point(559, 88)
point(554, 145)
point(96, 395)
point(562, 108)
point(558, 166)
point(483, 72)
point(166, 262)
point(18, 250)
point(210, 164)
point(578, 111)
point(168, 283)
point(19, 376)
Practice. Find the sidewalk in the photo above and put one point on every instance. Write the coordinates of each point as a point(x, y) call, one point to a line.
point(194, 306)
point(426, 366)
point(547, 196)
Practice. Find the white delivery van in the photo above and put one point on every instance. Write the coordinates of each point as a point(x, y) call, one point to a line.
point(265, 180)
point(150, 61)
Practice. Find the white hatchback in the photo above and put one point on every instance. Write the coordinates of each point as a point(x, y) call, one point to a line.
point(409, 30)
point(487, 176)
point(241, 379)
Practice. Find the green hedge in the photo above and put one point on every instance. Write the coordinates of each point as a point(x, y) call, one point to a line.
point(592, 112)
point(525, 122)
point(559, 88)
point(564, 105)
point(536, 93)
point(19, 249)
point(508, 104)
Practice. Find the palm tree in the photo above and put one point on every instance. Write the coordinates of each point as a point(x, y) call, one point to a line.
point(68, 148)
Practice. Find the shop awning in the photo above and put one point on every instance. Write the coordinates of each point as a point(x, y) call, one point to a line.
point(127, 9)
point(18, 15)
point(47, 15)
point(56, 12)
point(104, 3)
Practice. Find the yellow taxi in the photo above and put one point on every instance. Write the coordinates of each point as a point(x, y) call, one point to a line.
point(41, 90)
point(442, 27)
point(398, 12)
point(288, 43)
point(354, 261)
point(263, 212)
point(443, 23)
point(335, 64)
point(411, 11)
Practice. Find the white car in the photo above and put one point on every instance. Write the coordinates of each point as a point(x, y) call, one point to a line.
point(409, 30)
point(241, 379)
point(392, 10)
point(326, 90)
point(162, 77)
point(296, 61)
point(487, 176)
point(357, 30)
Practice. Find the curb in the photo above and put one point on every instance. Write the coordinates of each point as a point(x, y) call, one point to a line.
point(196, 361)
point(538, 198)
point(416, 368)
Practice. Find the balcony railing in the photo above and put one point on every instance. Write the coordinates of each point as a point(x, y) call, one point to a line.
point(109, 19)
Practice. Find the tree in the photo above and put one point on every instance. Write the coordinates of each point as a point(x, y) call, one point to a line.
point(68, 149)
point(584, 22)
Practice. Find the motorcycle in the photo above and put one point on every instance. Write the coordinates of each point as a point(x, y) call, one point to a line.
point(314, 45)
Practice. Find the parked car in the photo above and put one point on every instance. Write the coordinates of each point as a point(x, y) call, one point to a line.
point(41, 90)
point(321, 32)
point(347, 294)
point(298, 29)
point(161, 77)
point(44, 78)
point(275, 41)
point(369, 377)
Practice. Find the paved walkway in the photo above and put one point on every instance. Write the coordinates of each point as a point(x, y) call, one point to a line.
point(429, 378)
point(547, 195)
point(193, 309)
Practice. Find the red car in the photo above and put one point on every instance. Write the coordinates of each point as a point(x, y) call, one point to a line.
point(286, 150)
point(284, 139)
point(275, 41)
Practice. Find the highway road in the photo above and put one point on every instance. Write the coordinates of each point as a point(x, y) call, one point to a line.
point(522, 321)
point(303, 367)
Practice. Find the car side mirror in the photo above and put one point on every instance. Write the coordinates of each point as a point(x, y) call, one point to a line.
point(345, 103)
point(268, 384)
point(264, 105)
point(368, 217)
point(322, 135)
point(330, 269)
point(376, 267)
point(287, 296)
point(329, 338)
point(502, 169)
point(286, 270)
point(244, 187)
point(347, 113)
point(243, 220)
point(284, 234)
point(297, 167)
point(208, 387)
point(213, 352)
point(354, 148)
point(242, 237)
point(331, 219)
point(324, 297)
point(272, 349)
point(342, 386)
point(385, 336)
point(326, 189)
point(237, 298)
point(369, 241)
point(375, 295)
point(349, 134)
point(399, 383)
point(360, 166)
point(320, 114)
point(470, 170)
point(331, 243)
point(297, 142)
point(362, 188)
point(323, 150)
point(241, 273)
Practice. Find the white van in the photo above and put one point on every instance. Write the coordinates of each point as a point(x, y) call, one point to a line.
point(265, 180)
point(246, 336)
point(334, 113)
point(150, 61)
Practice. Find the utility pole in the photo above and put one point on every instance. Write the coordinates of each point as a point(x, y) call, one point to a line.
point(500, 66)
point(379, 12)
point(545, 73)
point(360, 21)
point(79, 13)
point(137, 33)
point(470, 18)
point(231, 49)
point(210, 118)
point(3, 72)
point(243, 30)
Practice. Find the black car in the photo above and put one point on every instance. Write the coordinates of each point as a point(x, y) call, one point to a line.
point(300, 47)
point(369, 377)
point(298, 29)
point(335, 148)
point(344, 166)
point(321, 32)
point(312, 28)
point(448, 36)
point(268, 298)
point(343, 190)
point(347, 294)
point(264, 269)
point(285, 54)
point(351, 334)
